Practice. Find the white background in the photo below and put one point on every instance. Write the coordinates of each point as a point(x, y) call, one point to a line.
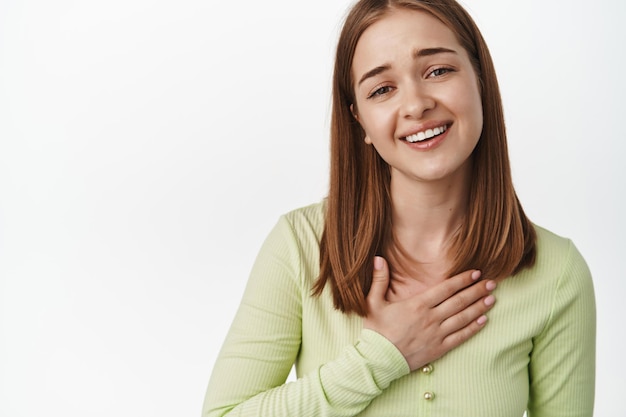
point(147, 148)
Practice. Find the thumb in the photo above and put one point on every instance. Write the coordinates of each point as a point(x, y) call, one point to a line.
point(380, 281)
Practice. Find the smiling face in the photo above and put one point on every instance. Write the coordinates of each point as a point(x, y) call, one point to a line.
point(417, 97)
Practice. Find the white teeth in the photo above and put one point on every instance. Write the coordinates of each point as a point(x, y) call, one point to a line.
point(427, 134)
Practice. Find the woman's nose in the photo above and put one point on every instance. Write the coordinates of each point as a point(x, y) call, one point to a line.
point(415, 102)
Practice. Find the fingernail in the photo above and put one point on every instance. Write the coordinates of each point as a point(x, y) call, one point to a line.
point(482, 320)
point(490, 300)
point(378, 263)
point(475, 275)
point(491, 285)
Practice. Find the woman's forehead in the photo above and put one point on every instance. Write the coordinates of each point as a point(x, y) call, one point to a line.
point(409, 27)
point(405, 32)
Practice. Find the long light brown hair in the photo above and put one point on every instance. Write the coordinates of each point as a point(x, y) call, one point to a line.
point(496, 236)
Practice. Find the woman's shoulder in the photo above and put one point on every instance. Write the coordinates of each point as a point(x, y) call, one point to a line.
point(557, 255)
point(307, 220)
point(559, 276)
point(553, 243)
point(548, 240)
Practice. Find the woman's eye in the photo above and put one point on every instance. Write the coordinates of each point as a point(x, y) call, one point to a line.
point(438, 72)
point(380, 91)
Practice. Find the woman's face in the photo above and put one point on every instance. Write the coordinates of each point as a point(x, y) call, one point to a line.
point(417, 96)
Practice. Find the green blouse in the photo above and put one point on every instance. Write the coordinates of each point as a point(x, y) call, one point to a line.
point(536, 353)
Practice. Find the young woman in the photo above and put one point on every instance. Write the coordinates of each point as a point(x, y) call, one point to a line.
point(380, 294)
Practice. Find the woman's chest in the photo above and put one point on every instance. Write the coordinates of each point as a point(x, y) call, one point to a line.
point(486, 376)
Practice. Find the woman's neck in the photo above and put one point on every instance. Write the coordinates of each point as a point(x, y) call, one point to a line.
point(425, 218)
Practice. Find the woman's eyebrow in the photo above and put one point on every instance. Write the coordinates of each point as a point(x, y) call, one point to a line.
point(418, 53)
point(374, 72)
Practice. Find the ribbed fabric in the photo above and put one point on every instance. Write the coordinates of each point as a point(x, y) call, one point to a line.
point(536, 353)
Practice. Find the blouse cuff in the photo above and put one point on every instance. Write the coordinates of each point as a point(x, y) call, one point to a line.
point(385, 360)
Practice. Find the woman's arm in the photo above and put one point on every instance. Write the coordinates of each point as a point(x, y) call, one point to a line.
point(562, 363)
point(249, 375)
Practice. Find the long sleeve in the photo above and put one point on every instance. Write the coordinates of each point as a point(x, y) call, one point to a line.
point(562, 363)
point(264, 340)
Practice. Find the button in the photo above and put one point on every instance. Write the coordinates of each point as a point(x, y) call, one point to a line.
point(427, 369)
point(429, 396)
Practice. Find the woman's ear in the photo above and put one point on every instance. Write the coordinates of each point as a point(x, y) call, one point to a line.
point(366, 139)
point(354, 114)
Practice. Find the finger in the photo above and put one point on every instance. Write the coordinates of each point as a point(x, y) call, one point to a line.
point(464, 298)
point(451, 286)
point(380, 282)
point(460, 336)
point(466, 317)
